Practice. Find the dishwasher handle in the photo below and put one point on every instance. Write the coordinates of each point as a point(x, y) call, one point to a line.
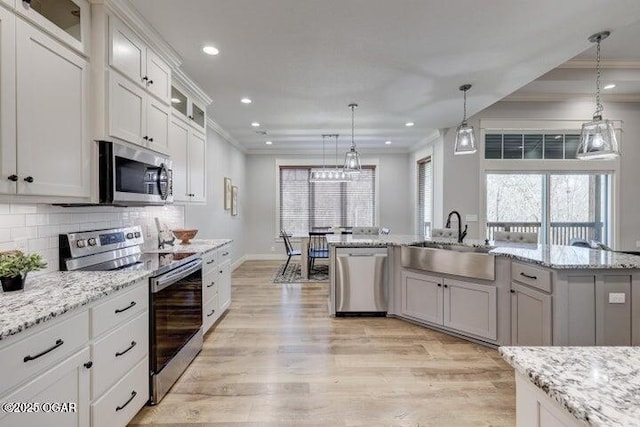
point(363, 255)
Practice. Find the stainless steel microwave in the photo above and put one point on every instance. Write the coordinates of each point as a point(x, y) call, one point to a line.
point(133, 176)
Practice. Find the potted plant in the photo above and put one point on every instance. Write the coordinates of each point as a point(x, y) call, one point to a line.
point(14, 267)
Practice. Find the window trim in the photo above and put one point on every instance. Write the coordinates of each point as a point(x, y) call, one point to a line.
point(423, 160)
point(545, 165)
point(374, 162)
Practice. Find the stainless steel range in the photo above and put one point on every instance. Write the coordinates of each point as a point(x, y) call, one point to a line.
point(175, 291)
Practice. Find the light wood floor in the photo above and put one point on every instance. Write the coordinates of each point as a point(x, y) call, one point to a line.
point(278, 359)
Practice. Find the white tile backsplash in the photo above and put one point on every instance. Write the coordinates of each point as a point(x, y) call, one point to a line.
point(35, 228)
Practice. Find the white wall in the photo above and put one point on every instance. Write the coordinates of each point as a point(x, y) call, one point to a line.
point(395, 200)
point(462, 173)
point(35, 228)
point(211, 219)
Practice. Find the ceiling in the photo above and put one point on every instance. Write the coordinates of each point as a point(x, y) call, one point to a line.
point(303, 61)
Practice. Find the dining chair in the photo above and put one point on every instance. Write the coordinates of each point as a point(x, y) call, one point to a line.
point(288, 248)
point(318, 247)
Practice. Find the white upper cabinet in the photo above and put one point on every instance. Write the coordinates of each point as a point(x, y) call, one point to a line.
point(187, 148)
point(8, 167)
point(188, 108)
point(197, 167)
point(159, 77)
point(130, 55)
point(52, 104)
point(136, 117)
point(66, 20)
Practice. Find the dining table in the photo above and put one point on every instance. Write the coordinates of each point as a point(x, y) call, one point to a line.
point(303, 237)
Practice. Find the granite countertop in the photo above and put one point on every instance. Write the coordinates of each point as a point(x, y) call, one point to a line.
point(597, 385)
point(50, 295)
point(196, 245)
point(551, 256)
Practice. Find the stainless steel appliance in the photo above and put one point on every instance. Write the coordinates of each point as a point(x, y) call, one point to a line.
point(175, 293)
point(361, 281)
point(130, 175)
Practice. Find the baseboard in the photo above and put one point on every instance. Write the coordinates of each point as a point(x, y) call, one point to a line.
point(238, 262)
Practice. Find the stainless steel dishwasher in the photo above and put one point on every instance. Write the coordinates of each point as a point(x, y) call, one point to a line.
point(361, 281)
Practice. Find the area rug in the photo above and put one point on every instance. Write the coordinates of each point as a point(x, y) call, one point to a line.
point(293, 274)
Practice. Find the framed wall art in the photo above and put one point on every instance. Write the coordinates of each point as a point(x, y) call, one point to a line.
point(234, 200)
point(227, 194)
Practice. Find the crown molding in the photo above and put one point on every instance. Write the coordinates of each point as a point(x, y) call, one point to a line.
point(557, 97)
point(433, 136)
point(185, 81)
point(318, 152)
point(225, 135)
point(610, 63)
point(125, 11)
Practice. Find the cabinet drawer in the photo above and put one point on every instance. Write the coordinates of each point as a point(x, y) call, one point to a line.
point(210, 285)
point(210, 313)
point(532, 276)
point(118, 352)
point(121, 403)
point(209, 262)
point(120, 308)
point(42, 350)
point(225, 253)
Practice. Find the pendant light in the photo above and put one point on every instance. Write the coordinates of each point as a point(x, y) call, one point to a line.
point(334, 174)
point(598, 137)
point(465, 137)
point(352, 158)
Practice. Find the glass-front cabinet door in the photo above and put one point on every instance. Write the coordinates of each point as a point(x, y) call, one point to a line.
point(66, 19)
point(197, 115)
point(179, 101)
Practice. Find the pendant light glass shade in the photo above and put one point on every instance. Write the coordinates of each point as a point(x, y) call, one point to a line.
point(329, 174)
point(352, 163)
point(465, 136)
point(598, 137)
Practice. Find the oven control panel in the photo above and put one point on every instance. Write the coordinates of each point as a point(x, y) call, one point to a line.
point(92, 242)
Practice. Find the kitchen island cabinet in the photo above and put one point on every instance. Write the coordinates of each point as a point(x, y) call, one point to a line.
point(541, 295)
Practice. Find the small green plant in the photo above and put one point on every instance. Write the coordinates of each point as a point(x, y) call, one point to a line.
point(18, 264)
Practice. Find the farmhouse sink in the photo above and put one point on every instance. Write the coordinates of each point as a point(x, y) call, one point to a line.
point(453, 247)
point(454, 259)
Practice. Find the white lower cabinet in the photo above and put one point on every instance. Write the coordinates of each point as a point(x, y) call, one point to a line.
point(530, 316)
point(64, 388)
point(535, 409)
point(466, 307)
point(123, 401)
point(216, 286)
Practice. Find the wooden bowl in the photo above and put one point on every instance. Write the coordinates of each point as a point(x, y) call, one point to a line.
point(185, 234)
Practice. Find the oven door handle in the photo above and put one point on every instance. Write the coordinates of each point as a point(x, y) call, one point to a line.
point(172, 277)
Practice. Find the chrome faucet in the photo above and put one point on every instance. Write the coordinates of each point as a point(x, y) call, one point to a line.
point(461, 234)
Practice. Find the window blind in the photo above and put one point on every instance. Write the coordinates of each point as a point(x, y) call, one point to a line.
point(304, 204)
point(425, 198)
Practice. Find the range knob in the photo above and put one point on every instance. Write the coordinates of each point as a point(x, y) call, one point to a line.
point(137, 234)
point(92, 241)
point(81, 243)
point(129, 236)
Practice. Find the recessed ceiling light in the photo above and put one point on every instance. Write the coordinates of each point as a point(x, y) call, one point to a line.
point(210, 50)
point(409, 124)
point(255, 124)
point(175, 101)
point(610, 86)
point(388, 142)
point(268, 142)
point(246, 101)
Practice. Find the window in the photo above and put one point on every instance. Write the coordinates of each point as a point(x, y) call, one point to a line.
point(305, 205)
point(425, 198)
point(559, 206)
point(525, 146)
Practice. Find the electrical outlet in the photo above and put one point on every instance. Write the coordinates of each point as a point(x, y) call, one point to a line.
point(616, 298)
point(637, 243)
point(273, 248)
point(471, 218)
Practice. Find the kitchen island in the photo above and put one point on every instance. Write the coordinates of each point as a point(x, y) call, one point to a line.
point(526, 294)
point(573, 386)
